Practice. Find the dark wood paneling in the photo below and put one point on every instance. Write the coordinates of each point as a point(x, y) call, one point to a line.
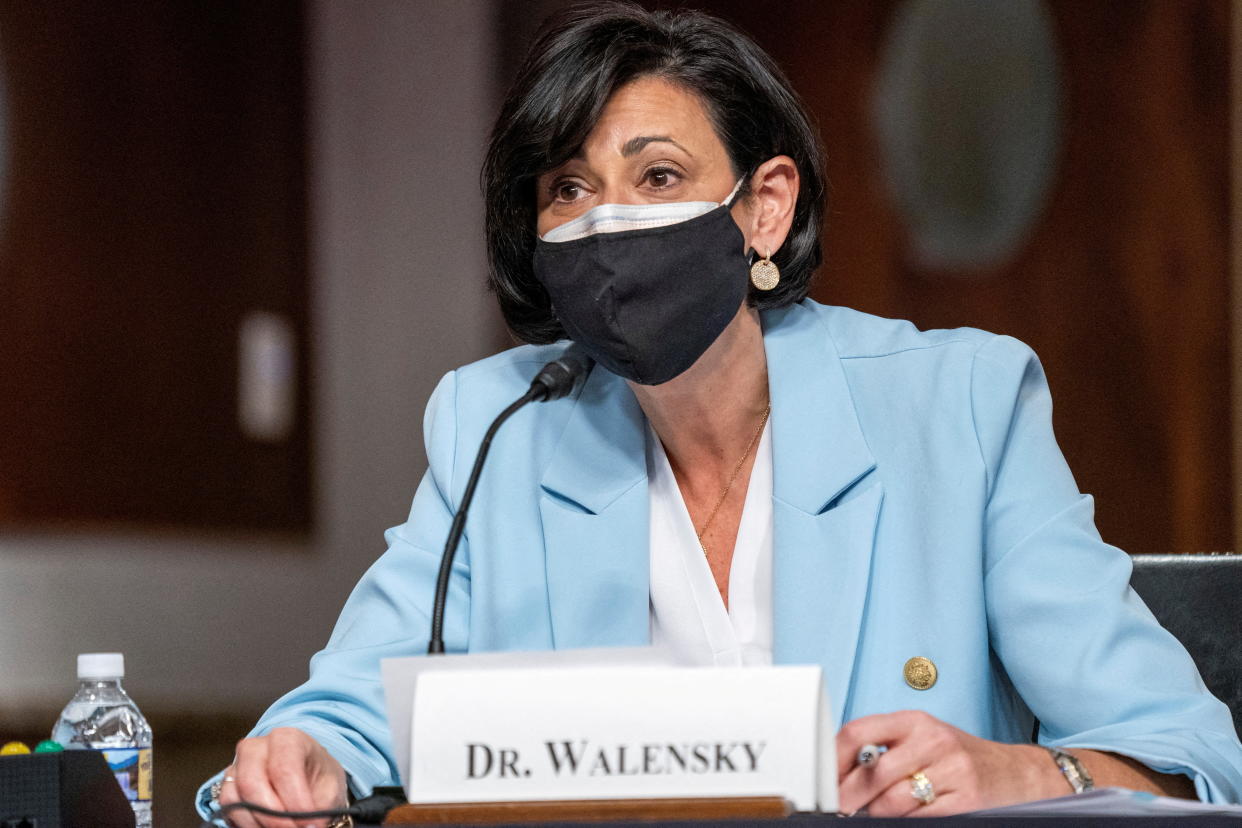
point(1123, 288)
point(155, 193)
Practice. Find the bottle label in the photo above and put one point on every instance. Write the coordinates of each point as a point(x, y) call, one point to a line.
point(132, 769)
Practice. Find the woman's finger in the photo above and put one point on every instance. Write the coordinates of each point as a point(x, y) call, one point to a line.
point(289, 767)
point(899, 799)
point(948, 781)
point(228, 795)
point(879, 729)
point(328, 787)
point(864, 784)
point(254, 786)
point(915, 740)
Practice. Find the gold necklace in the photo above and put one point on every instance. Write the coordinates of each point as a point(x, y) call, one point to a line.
point(754, 438)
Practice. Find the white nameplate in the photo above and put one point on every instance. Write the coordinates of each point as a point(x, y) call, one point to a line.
point(400, 676)
point(621, 733)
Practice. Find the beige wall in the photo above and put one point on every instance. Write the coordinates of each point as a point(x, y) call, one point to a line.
point(401, 97)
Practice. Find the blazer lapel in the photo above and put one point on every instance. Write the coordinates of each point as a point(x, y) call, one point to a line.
point(595, 517)
point(825, 506)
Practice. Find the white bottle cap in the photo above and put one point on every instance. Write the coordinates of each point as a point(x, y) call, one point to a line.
point(101, 665)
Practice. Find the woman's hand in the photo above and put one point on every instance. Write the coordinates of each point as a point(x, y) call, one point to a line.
point(966, 772)
point(286, 770)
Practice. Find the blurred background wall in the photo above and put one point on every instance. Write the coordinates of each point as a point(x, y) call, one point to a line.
point(1109, 254)
point(215, 625)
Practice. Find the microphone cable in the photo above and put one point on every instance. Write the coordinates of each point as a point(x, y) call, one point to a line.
point(369, 810)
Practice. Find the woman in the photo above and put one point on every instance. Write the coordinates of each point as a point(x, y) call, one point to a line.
point(746, 476)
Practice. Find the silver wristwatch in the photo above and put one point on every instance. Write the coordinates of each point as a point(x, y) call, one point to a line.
point(1072, 769)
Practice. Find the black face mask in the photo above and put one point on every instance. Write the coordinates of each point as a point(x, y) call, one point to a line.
point(647, 303)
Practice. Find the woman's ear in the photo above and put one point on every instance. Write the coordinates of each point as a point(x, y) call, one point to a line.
point(773, 196)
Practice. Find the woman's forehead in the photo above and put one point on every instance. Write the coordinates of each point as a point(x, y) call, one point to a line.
point(652, 111)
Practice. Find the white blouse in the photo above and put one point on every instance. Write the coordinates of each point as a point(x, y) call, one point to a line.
point(688, 616)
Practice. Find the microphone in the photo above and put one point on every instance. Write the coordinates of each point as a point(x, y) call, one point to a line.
point(559, 376)
point(555, 380)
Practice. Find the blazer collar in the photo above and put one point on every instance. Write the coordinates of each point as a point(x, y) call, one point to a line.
point(818, 447)
point(602, 452)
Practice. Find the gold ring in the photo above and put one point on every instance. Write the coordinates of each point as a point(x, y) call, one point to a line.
point(921, 788)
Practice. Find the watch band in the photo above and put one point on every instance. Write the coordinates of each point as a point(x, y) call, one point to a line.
point(1072, 769)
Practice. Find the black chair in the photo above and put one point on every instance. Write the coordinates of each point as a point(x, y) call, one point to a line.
point(1198, 598)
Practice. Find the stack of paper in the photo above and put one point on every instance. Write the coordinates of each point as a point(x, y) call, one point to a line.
point(1113, 802)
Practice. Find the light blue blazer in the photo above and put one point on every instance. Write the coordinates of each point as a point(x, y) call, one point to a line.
point(921, 507)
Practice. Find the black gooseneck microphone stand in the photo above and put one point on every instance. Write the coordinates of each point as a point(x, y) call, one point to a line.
point(554, 381)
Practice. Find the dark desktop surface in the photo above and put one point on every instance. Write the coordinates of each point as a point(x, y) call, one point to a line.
point(820, 820)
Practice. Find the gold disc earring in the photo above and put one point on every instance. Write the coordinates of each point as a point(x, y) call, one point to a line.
point(764, 274)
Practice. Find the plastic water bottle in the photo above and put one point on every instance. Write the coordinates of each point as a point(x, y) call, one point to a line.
point(101, 716)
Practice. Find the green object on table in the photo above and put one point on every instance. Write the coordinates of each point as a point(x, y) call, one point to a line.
point(49, 746)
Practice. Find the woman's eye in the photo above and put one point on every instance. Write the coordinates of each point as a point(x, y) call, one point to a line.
point(566, 191)
point(661, 177)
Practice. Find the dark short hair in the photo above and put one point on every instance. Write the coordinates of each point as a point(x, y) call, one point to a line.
point(579, 59)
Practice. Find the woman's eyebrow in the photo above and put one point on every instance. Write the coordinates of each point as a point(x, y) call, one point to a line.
point(634, 145)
